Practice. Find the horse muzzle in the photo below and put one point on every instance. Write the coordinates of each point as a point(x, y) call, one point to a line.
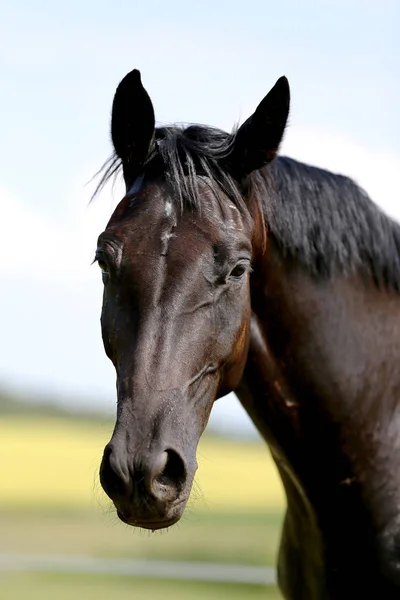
point(150, 490)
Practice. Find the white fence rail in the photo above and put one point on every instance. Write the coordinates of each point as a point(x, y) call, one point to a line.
point(193, 571)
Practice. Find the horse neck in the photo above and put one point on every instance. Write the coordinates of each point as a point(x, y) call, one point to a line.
point(321, 385)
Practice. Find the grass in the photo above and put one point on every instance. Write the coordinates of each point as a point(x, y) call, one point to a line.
point(54, 462)
point(63, 587)
point(51, 503)
point(230, 538)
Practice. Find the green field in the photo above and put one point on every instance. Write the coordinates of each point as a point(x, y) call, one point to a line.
point(62, 587)
point(51, 503)
point(231, 538)
point(54, 462)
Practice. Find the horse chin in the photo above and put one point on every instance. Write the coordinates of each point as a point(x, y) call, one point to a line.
point(149, 525)
point(152, 522)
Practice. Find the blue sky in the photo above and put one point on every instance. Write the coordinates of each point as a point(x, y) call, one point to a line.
point(209, 63)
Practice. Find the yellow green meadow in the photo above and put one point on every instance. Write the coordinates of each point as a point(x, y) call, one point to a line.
point(52, 503)
point(50, 461)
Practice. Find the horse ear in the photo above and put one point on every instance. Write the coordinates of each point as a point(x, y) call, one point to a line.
point(132, 121)
point(257, 140)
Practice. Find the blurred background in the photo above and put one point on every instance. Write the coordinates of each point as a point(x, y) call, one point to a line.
point(210, 62)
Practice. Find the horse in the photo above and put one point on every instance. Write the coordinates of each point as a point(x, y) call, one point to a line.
point(228, 267)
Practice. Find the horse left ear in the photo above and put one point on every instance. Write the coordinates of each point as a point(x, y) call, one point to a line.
point(132, 122)
point(257, 140)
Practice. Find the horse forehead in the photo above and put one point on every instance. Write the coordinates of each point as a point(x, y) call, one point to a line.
point(153, 208)
point(219, 207)
point(214, 214)
point(232, 217)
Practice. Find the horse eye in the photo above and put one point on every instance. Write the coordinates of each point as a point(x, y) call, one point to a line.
point(238, 271)
point(104, 270)
point(102, 266)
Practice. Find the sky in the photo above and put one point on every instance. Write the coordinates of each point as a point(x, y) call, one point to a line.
point(208, 63)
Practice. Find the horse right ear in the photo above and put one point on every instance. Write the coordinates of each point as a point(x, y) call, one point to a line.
point(132, 123)
point(257, 140)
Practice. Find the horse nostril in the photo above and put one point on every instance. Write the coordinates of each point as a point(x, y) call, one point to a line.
point(161, 476)
point(114, 479)
point(173, 472)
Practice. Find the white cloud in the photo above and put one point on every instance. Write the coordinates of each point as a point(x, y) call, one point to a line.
point(34, 245)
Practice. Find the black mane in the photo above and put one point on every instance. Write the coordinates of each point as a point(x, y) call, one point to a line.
point(330, 224)
point(183, 155)
point(324, 220)
point(197, 151)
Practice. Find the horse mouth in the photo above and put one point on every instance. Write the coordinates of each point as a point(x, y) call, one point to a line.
point(168, 517)
point(151, 525)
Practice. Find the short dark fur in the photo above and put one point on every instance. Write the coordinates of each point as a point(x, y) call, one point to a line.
point(322, 219)
point(308, 339)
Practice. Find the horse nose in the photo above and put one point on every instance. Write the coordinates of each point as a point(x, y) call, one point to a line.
point(166, 475)
point(159, 476)
point(115, 476)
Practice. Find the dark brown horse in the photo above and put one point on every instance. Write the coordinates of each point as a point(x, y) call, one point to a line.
point(228, 268)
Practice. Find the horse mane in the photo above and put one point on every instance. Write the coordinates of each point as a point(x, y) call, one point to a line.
point(183, 155)
point(323, 220)
point(330, 224)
